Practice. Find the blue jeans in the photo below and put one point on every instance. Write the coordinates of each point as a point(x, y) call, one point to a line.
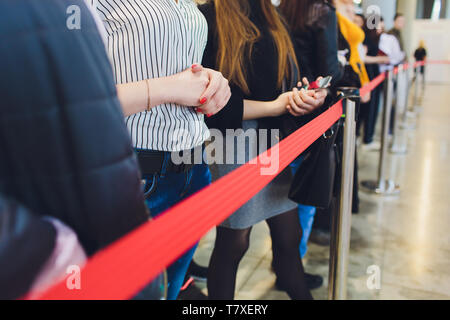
point(165, 190)
point(305, 213)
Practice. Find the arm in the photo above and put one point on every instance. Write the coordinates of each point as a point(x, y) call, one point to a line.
point(184, 88)
point(376, 60)
point(296, 102)
point(263, 109)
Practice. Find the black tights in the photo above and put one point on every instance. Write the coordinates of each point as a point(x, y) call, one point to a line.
point(231, 245)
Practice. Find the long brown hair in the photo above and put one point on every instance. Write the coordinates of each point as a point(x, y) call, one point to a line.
point(237, 35)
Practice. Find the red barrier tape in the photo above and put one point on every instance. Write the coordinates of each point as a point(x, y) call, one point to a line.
point(121, 270)
point(372, 85)
point(126, 266)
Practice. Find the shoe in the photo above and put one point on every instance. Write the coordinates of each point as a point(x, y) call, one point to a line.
point(320, 237)
point(374, 146)
point(312, 282)
point(190, 291)
point(198, 272)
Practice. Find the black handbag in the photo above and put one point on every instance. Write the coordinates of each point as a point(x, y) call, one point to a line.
point(313, 183)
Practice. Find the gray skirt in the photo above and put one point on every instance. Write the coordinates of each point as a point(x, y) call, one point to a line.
point(269, 202)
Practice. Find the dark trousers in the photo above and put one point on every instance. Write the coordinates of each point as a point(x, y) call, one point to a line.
point(368, 115)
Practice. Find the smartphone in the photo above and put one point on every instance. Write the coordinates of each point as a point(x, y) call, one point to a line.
point(322, 84)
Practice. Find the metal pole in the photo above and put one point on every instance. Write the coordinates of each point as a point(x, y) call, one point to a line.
point(396, 146)
point(407, 112)
point(416, 91)
point(383, 186)
point(417, 100)
point(341, 224)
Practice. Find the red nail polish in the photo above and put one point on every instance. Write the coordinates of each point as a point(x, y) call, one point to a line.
point(203, 101)
point(209, 115)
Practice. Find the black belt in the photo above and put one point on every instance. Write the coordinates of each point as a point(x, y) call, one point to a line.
point(151, 162)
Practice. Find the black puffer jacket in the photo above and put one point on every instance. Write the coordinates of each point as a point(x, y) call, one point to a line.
point(64, 147)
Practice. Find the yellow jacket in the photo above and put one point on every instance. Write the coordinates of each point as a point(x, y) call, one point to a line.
point(354, 36)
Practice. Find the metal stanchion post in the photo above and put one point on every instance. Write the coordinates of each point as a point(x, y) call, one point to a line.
point(396, 146)
point(408, 113)
point(383, 186)
point(417, 100)
point(341, 224)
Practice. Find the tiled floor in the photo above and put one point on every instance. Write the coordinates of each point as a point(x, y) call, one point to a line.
point(407, 237)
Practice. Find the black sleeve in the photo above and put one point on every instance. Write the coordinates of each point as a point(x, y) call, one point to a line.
point(231, 116)
point(327, 53)
point(303, 51)
point(26, 242)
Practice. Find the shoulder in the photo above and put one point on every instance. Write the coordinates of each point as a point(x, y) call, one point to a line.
point(321, 13)
point(208, 9)
point(209, 12)
point(392, 32)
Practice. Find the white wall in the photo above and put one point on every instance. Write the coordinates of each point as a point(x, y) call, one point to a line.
point(436, 35)
point(388, 9)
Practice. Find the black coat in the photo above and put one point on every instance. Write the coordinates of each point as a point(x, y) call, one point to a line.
point(64, 147)
point(317, 45)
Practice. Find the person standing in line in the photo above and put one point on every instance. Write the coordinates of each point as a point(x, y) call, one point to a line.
point(313, 24)
point(396, 31)
point(66, 162)
point(420, 55)
point(155, 47)
point(249, 43)
point(372, 59)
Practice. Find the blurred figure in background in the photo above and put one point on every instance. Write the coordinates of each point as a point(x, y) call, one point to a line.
point(359, 20)
point(372, 27)
point(396, 31)
point(353, 36)
point(390, 45)
point(420, 55)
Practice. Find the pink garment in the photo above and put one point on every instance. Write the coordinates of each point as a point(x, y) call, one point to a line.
point(66, 254)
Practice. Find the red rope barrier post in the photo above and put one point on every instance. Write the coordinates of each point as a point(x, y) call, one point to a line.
point(341, 223)
point(382, 186)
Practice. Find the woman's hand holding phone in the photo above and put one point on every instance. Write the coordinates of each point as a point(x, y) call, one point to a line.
point(303, 102)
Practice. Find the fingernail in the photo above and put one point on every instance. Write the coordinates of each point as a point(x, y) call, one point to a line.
point(202, 101)
point(209, 115)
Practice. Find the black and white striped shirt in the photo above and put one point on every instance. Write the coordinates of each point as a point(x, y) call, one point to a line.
point(151, 39)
